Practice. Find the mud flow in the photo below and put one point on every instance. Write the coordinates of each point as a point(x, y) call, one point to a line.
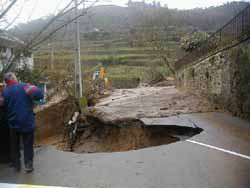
point(125, 135)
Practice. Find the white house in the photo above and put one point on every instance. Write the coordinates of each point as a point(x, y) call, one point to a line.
point(9, 47)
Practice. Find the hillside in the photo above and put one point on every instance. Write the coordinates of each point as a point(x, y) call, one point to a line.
point(123, 38)
point(111, 18)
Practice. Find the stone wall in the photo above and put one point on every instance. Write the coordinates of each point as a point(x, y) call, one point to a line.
point(223, 78)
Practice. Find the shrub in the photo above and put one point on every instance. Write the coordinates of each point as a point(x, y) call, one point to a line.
point(191, 42)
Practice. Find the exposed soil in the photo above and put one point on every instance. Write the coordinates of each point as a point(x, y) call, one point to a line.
point(50, 122)
point(118, 135)
point(127, 134)
point(114, 138)
point(114, 123)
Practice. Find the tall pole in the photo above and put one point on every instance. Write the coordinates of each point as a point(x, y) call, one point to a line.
point(52, 55)
point(78, 70)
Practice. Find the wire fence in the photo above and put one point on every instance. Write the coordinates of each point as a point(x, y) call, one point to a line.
point(236, 31)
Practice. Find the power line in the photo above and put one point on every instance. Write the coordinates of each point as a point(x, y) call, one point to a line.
point(16, 17)
point(62, 26)
point(60, 14)
point(58, 5)
point(7, 9)
point(33, 10)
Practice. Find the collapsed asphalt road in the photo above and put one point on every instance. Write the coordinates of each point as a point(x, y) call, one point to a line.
point(115, 124)
point(150, 102)
point(129, 134)
point(216, 157)
point(178, 165)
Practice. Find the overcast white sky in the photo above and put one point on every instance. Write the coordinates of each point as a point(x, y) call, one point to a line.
point(32, 9)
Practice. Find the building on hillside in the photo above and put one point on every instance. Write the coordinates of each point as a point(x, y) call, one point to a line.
point(141, 5)
point(12, 50)
point(137, 4)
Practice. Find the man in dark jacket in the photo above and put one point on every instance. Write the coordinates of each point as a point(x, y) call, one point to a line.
point(4, 135)
point(18, 100)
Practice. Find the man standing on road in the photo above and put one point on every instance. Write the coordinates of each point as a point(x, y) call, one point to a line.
point(4, 134)
point(18, 100)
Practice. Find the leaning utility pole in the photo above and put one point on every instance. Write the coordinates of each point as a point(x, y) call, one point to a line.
point(78, 70)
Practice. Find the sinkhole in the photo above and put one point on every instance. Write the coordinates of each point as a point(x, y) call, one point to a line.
point(115, 136)
point(128, 134)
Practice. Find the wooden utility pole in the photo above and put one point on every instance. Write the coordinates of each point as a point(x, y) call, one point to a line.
point(78, 70)
point(52, 57)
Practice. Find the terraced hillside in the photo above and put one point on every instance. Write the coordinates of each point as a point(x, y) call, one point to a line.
point(120, 38)
point(123, 62)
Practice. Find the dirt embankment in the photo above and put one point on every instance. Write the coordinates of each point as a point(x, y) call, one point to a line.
point(99, 136)
point(114, 123)
point(50, 122)
point(120, 135)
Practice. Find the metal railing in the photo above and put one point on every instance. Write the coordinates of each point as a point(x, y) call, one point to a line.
point(236, 31)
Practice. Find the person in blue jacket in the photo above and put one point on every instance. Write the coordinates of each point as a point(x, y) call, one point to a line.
point(18, 100)
point(4, 135)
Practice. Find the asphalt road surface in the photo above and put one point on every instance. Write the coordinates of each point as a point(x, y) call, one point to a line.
point(216, 158)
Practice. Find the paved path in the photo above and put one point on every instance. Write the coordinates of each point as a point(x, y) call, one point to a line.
point(182, 164)
point(149, 102)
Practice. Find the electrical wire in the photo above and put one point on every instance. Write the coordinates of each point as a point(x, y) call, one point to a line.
point(7, 9)
point(33, 10)
point(60, 14)
point(84, 12)
point(16, 17)
point(58, 5)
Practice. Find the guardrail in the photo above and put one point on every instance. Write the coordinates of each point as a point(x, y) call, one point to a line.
point(236, 31)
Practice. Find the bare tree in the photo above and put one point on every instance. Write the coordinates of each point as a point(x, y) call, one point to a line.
point(154, 38)
point(5, 11)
